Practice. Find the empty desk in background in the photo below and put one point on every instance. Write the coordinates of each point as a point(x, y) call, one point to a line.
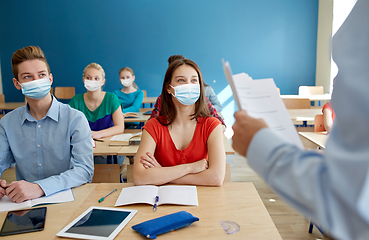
point(313, 140)
point(10, 106)
point(150, 100)
point(320, 97)
point(323, 97)
point(303, 117)
point(235, 201)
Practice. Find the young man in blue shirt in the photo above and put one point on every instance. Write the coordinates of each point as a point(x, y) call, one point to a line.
point(50, 142)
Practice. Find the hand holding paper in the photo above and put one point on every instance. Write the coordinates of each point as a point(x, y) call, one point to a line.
point(260, 99)
point(245, 128)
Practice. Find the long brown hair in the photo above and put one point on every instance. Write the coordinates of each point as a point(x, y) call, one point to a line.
point(167, 108)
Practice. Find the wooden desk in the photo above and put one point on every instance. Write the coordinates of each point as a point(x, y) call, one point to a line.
point(234, 201)
point(103, 148)
point(141, 118)
point(11, 105)
point(303, 116)
point(313, 140)
point(150, 100)
point(322, 97)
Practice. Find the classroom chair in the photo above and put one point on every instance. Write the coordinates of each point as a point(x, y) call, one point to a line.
point(319, 123)
point(64, 93)
point(301, 103)
point(227, 177)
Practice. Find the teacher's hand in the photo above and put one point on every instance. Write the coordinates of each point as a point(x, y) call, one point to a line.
point(244, 130)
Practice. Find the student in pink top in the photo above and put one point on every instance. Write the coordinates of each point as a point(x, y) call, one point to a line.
point(183, 145)
point(328, 116)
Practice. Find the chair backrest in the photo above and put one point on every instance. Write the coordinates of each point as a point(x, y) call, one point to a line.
point(145, 93)
point(2, 98)
point(319, 123)
point(64, 92)
point(300, 103)
point(227, 177)
point(311, 90)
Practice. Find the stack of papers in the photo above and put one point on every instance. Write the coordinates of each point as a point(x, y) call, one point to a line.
point(260, 98)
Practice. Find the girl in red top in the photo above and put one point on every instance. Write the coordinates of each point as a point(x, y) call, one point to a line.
point(183, 145)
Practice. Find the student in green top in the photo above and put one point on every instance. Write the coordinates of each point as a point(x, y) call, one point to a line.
point(102, 109)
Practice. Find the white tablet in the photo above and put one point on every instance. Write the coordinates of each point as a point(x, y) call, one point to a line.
point(98, 223)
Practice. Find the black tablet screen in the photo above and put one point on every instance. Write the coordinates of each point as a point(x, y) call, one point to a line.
point(98, 222)
point(22, 221)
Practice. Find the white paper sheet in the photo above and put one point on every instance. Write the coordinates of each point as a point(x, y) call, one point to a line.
point(64, 196)
point(260, 98)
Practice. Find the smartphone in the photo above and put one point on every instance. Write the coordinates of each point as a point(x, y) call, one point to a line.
point(24, 221)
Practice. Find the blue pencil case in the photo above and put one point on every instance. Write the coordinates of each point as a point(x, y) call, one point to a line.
point(152, 228)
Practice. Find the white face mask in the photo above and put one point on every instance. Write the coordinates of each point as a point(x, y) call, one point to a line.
point(126, 82)
point(92, 85)
point(187, 94)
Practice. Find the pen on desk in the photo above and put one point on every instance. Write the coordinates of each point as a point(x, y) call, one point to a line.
point(156, 203)
point(98, 140)
point(102, 199)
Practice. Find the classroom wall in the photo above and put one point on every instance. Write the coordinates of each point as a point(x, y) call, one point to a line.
point(265, 38)
point(1, 82)
point(323, 52)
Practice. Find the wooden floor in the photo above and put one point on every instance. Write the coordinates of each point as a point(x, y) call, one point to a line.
point(290, 224)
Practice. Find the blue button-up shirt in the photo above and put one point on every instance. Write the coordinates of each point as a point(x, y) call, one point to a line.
point(332, 188)
point(55, 152)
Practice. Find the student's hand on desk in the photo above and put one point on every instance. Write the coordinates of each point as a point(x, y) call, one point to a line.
point(95, 135)
point(149, 161)
point(20, 191)
point(2, 188)
point(244, 130)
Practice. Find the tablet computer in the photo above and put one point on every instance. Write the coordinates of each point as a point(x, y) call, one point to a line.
point(24, 221)
point(98, 223)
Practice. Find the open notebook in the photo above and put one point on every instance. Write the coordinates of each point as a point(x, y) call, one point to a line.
point(171, 194)
point(64, 196)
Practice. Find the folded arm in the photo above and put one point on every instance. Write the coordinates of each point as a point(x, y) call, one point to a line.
point(214, 174)
point(158, 175)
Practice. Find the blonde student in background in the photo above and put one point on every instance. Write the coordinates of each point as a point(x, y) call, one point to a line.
point(184, 144)
point(130, 95)
point(49, 141)
point(102, 109)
